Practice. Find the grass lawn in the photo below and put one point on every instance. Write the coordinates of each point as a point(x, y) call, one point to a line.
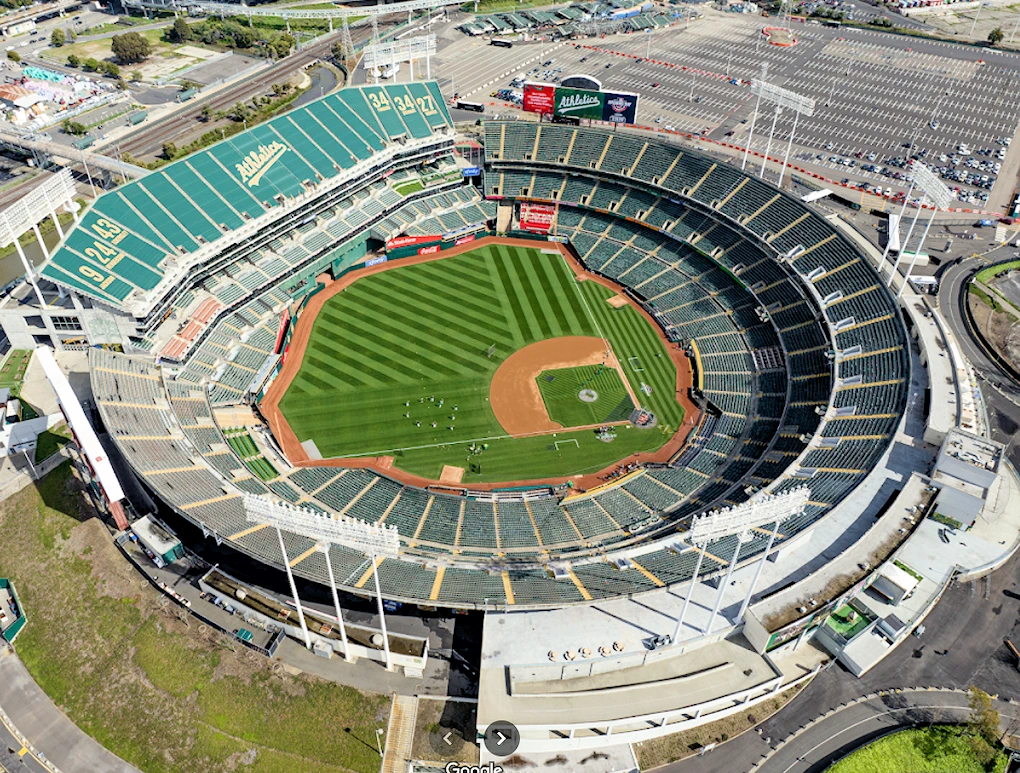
point(985, 275)
point(163, 695)
point(411, 186)
point(376, 346)
point(938, 749)
point(12, 372)
point(103, 48)
point(561, 388)
point(51, 441)
point(841, 623)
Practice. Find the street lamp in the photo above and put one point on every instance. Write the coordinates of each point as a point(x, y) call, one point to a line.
point(378, 740)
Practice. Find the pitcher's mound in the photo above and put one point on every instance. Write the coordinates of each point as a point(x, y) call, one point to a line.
point(451, 474)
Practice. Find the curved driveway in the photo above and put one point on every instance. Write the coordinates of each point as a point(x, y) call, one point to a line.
point(831, 737)
point(1002, 394)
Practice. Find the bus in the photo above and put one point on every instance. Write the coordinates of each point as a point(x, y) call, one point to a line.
point(501, 42)
point(476, 107)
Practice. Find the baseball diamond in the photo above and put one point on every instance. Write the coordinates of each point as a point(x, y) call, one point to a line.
point(397, 365)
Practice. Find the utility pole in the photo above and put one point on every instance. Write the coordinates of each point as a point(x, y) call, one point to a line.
point(346, 42)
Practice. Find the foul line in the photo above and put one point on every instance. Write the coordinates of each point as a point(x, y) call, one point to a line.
point(591, 314)
point(547, 432)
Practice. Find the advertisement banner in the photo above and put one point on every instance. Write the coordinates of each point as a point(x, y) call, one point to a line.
point(539, 98)
point(429, 250)
point(375, 261)
point(619, 107)
point(464, 240)
point(407, 241)
point(578, 103)
point(537, 218)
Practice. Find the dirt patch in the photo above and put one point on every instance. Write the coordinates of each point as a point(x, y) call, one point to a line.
point(1001, 331)
point(513, 392)
point(618, 301)
point(451, 474)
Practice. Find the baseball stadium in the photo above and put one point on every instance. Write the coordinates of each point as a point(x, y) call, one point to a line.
point(537, 372)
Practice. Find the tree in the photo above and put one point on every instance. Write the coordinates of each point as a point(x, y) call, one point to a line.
point(239, 112)
point(91, 65)
point(110, 69)
point(984, 719)
point(983, 751)
point(58, 38)
point(131, 47)
point(282, 45)
point(136, 76)
point(206, 114)
point(14, 56)
point(73, 127)
point(995, 36)
point(180, 32)
point(169, 151)
point(73, 60)
point(243, 37)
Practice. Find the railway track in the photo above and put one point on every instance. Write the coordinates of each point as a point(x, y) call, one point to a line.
point(149, 139)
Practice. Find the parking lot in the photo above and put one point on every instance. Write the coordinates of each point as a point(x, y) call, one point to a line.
point(875, 93)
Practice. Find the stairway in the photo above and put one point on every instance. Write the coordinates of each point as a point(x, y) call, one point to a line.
point(400, 734)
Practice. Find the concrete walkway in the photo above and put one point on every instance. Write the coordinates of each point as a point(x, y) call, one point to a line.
point(50, 735)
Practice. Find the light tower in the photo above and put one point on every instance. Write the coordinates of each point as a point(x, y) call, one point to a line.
point(933, 189)
point(739, 520)
point(376, 541)
point(781, 98)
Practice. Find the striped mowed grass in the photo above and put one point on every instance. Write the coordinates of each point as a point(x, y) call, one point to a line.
point(407, 348)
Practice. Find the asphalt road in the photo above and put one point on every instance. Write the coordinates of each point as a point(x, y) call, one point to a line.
point(1001, 393)
point(839, 734)
point(970, 624)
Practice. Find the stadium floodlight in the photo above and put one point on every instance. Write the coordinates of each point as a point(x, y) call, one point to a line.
point(25, 213)
point(781, 98)
point(393, 52)
point(938, 193)
point(372, 539)
point(739, 520)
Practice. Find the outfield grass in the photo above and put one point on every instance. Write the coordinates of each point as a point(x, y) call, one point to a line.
point(423, 331)
point(163, 696)
point(561, 388)
point(937, 749)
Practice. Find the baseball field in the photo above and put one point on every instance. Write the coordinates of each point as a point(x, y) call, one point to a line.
point(401, 364)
